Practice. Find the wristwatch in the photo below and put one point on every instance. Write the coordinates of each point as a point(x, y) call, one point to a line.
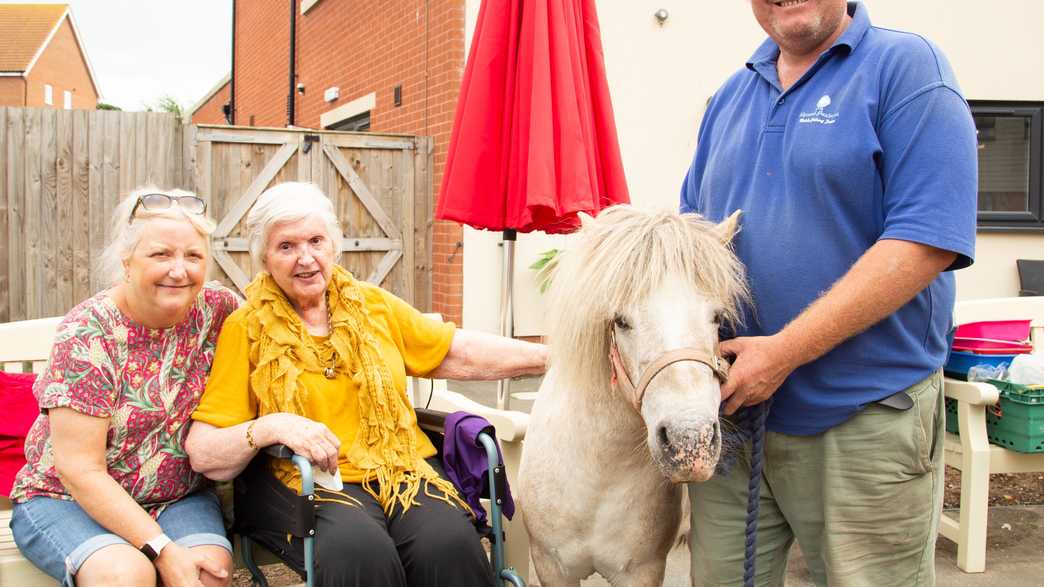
point(153, 547)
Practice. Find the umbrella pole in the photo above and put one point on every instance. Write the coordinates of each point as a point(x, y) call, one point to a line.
point(506, 311)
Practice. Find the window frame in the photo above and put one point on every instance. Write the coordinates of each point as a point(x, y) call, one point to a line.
point(48, 94)
point(1033, 219)
point(356, 123)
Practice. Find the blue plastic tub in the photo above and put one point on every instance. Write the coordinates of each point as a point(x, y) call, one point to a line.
point(959, 362)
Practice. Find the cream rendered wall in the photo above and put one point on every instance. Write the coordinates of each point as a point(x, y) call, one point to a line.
point(997, 51)
point(660, 78)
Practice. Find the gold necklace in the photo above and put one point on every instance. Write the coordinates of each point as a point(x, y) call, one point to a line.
point(331, 370)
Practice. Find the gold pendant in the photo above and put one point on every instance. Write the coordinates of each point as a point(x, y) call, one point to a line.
point(329, 372)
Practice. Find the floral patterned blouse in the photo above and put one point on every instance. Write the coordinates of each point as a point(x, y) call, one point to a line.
point(146, 381)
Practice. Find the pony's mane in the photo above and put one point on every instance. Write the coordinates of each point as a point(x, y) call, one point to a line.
point(617, 260)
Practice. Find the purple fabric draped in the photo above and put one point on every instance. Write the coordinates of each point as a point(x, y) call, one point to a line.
point(466, 463)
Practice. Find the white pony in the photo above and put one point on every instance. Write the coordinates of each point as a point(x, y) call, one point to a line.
point(603, 458)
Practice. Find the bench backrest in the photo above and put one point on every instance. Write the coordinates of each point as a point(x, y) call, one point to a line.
point(26, 345)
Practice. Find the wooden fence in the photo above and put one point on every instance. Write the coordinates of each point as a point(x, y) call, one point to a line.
point(63, 171)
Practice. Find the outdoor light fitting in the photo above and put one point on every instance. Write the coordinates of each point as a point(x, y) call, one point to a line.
point(300, 88)
point(661, 16)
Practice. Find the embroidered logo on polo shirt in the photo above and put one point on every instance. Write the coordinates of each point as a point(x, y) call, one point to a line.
point(820, 115)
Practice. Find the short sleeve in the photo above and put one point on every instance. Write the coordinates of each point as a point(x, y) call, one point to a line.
point(80, 373)
point(424, 341)
point(222, 301)
point(929, 170)
point(227, 399)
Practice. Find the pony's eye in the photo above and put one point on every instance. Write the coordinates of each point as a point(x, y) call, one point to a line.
point(719, 317)
point(621, 322)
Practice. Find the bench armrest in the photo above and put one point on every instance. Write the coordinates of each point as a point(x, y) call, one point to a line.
point(511, 426)
point(972, 392)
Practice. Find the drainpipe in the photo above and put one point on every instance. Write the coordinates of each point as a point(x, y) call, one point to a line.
point(293, 62)
point(230, 116)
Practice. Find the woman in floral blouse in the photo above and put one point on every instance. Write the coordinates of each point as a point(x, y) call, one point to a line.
point(107, 496)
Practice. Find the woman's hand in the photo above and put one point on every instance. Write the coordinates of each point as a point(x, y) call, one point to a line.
point(305, 437)
point(179, 566)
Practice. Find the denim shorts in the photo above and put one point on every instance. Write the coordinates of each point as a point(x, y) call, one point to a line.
point(58, 536)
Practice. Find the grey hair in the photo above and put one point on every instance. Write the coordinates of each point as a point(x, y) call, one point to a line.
point(126, 232)
point(289, 202)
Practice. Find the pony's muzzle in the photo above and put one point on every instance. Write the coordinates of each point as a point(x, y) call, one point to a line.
point(688, 452)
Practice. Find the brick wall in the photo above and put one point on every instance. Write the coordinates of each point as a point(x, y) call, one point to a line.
point(12, 91)
point(262, 60)
point(364, 46)
point(210, 112)
point(63, 67)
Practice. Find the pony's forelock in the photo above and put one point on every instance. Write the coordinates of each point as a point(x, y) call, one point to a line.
point(618, 260)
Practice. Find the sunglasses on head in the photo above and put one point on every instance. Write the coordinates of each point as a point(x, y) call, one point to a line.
point(190, 204)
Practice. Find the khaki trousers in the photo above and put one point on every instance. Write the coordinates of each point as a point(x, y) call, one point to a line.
point(862, 500)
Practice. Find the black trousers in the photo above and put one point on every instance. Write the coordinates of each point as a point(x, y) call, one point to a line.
point(431, 544)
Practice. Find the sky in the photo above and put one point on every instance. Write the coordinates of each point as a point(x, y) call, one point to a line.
point(143, 50)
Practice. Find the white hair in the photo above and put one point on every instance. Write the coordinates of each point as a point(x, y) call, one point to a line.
point(617, 260)
point(289, 202)
point(126, 231)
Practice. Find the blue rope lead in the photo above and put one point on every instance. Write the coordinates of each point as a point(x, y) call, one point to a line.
point(757, 453)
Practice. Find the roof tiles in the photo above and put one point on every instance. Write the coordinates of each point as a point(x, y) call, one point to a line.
point(23, 29)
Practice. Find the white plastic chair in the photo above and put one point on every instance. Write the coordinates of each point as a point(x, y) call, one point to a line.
point(971, 452)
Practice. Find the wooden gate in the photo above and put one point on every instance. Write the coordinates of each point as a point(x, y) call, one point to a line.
point(380, 186)
point(63, 171)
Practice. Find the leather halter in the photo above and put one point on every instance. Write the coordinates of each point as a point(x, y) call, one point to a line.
point(635, 393)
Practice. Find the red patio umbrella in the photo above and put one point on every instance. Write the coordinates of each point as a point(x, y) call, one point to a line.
point(533, 140)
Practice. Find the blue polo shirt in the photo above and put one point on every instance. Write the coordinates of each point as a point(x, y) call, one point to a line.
point(874, 142)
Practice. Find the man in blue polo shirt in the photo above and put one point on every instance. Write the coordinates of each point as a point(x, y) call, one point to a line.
point(852, 154)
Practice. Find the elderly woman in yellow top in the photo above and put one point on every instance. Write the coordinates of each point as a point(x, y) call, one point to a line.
point(317, 360)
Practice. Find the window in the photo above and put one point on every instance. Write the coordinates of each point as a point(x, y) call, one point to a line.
point(48, 95)
point(68, 100)
point(354, 115)
point(358, 123)
point(1010, 144)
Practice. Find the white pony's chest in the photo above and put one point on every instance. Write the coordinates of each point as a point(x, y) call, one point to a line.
point(592, 498)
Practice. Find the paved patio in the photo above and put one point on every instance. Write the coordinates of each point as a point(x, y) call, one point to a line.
point(1014, 555)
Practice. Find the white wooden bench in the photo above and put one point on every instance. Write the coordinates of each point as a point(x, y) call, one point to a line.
point(26, 346)
point(971, 451)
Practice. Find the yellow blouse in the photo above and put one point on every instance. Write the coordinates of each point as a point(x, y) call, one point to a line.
point(410, 344)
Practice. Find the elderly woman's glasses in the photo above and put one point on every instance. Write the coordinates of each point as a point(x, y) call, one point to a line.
point(190, 204)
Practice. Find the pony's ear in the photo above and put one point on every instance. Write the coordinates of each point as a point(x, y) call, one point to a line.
point(586, 220)
point(728, 228)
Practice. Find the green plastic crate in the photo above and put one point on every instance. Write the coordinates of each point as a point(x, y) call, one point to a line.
point(1015, 422)
point(952, 426)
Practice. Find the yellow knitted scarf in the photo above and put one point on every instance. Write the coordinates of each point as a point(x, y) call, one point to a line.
point(386, 445)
